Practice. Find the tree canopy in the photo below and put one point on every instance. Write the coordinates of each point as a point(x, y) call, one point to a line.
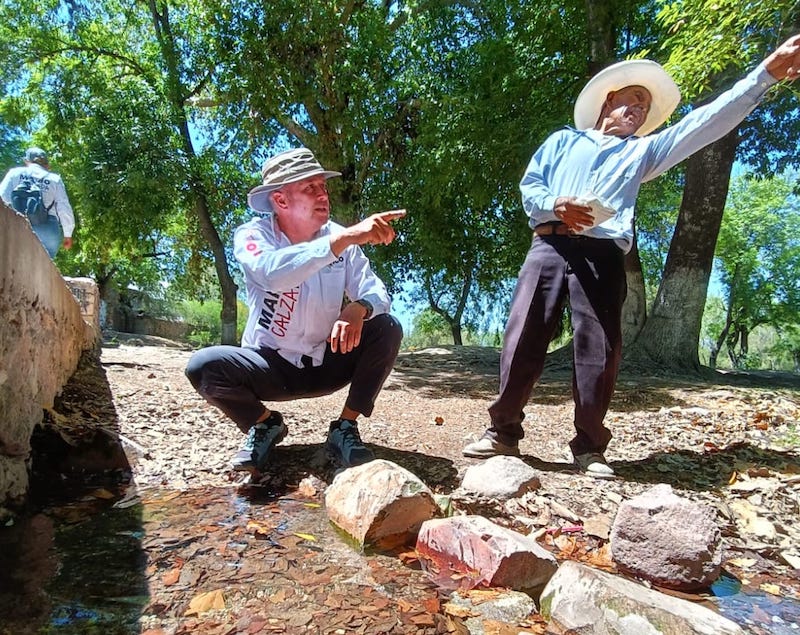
point(158, 113)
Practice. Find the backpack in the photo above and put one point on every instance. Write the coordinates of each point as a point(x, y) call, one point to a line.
point(26, 198)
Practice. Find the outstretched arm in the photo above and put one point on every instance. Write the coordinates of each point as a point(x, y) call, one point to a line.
point(375, 230)
point(784, 62)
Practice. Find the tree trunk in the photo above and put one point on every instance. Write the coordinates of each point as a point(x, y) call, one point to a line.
point(455, 331)
point(227, 285)
point(634, 311)
point(603, 20)
point(671, 334)
point(176, 99)
point(712, 358)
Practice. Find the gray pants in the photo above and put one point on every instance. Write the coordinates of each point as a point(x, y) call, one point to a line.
point(236, 380)
point(590, 273)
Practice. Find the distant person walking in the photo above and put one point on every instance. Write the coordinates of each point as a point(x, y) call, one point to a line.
point(319, 317)
point(579, 192)
point(36, 192)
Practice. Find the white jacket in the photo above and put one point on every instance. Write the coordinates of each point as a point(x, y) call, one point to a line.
point(295, 292)
point(53, 193)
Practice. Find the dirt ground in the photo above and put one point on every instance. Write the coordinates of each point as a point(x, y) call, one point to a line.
point(260, 557)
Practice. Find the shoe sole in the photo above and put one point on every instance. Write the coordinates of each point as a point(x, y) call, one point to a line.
point(488, 455)
point(254, 469)
point(598, 475)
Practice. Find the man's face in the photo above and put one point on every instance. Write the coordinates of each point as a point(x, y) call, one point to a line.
point(625, 110)
point(302, 207)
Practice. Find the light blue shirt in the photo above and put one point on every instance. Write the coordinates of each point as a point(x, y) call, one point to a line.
point(295, 291)
point(578, 162)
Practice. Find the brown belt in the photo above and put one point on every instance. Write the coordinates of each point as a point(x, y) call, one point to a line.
point(554, 229)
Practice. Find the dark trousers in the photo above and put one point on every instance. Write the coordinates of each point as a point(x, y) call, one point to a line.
point(236, 380)
point(590, 274)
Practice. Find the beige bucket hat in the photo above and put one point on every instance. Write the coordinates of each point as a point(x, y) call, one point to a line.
point(286, 167)
point(663, 90)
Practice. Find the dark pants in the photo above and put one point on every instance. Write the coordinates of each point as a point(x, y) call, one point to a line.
point(590, 273)
point(236, 380)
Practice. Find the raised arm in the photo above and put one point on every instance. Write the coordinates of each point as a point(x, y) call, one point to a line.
point(784, 61)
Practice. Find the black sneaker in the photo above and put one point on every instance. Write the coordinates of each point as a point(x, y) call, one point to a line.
point(344, 444)
point(261, 438)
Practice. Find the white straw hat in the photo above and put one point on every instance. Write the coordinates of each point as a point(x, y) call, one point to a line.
point(286, 167)
point(663, 90)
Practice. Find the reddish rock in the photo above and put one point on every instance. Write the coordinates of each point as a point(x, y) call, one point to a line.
point(668, 540)
point(471, 551)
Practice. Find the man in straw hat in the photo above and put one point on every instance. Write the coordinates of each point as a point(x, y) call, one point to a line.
point(57, 229)
point(299, 340)
point(579, 191)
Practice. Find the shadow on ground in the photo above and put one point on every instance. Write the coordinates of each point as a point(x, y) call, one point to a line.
point(290, 464)
point(705, 470)
point(70, 562)
point(472, 372)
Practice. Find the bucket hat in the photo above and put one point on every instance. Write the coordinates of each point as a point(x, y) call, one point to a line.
point(664, 93)
point(287, 167)
point(36, 155)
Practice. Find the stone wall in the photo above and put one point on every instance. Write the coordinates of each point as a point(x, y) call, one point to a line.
point(178, 331)
point(42, 336)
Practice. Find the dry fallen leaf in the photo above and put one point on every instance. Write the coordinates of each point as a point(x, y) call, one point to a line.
point(601, 558)
point(102, 493)
point(478, 596)
point(456, 610)
point(307, 488)
point(171, 577)
point(423, 619)
point(258, 529)
point(772, 589)
point(751, 521)
point(308, 537)
point(742, 563)
point(408, 557)
point(205, 602)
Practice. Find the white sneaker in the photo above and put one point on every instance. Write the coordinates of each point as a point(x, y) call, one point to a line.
point(594, 464)
point(485, 447)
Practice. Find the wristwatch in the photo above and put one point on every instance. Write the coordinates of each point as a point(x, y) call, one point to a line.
point(367, 305)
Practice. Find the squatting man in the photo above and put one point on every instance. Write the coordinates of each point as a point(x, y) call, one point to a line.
point(579, 191)
point(300, 341)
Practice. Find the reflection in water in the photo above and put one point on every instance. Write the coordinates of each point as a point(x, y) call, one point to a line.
point(761, 613)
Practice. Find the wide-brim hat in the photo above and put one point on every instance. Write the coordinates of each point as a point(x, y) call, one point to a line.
point(664, 93)
point(287, 167)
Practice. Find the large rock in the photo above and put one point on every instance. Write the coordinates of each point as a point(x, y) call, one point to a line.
point(379, 504)
point(475, 551)
point(671, 541)
point(583, 601)
point(500, 477)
